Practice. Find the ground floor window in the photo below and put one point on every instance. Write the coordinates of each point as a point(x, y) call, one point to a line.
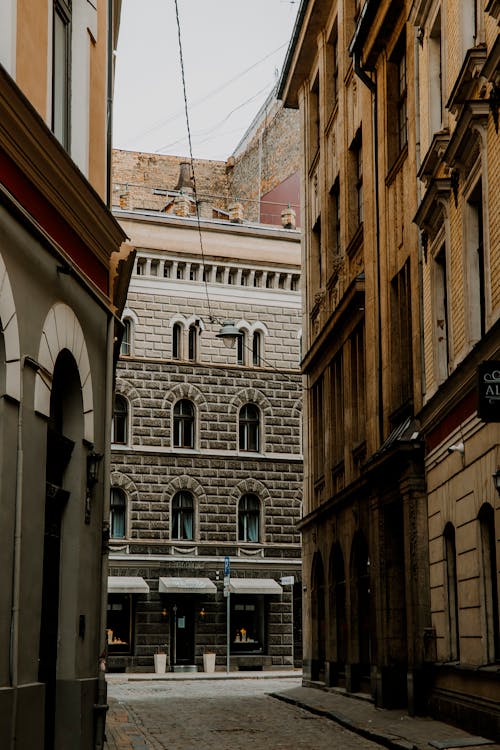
point(247, 625)
point(119, 624)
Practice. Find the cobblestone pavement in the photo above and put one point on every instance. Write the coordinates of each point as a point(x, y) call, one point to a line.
point(218, 714)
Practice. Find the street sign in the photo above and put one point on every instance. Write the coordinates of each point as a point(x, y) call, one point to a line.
point(227, 566)
point(287, 580)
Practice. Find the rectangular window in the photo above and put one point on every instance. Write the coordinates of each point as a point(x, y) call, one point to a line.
point(247, 624)
point(61, 72)
point(318, 429)
point(337, 410)
point(316, 259)
point(314, 119)
point(119, 624)
point(181, 267)
point(440, 300)
point(402, 123)
point(332, 70)
point(358, 386)
point(475, 263)
point(193, 272)
point(359, 179)
point(167, 269)
point(401, 335)
point(141, 266)
point(334, 218)
point(435, 76)
point(155, 264)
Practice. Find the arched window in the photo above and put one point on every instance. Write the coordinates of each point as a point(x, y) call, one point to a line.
point(249, 428)
point(241, 343)
point(193, 342)
point(488, 550)
point(184, 424)
point(126, 345)
point(257, 349)
point(117, 514)
point(177, 341)
point(452, 592)
point(182, 515)
point(248, 518)
point(119, 427)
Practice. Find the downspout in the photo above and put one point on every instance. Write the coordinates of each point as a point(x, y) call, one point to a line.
point(101, 706)
point(109, 104)
point(420, 248)
point(372, 86)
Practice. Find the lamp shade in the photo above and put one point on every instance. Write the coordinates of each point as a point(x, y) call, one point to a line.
point(229, 333)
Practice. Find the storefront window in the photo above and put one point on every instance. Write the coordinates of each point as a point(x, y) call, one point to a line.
point(119, 624)
point(247, 625)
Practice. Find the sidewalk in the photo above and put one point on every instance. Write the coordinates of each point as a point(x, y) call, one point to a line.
point(390, 728)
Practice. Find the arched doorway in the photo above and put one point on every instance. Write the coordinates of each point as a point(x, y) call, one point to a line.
point(64, 470)
point(318, 619)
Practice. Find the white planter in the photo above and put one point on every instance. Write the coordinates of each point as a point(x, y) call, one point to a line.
point(160, 663)
point(209, 662)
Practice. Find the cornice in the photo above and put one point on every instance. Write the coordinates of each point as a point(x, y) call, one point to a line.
point(467, 79)
point(353, 294)
point(431, 206)
point(434, 156)
point(474, 115)
point(29, 144)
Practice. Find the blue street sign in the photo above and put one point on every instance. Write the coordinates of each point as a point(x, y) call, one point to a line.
point(227, 566)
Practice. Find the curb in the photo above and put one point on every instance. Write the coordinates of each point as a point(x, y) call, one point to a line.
point(387, 740)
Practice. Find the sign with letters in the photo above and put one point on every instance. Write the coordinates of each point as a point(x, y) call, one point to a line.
point(488, 407)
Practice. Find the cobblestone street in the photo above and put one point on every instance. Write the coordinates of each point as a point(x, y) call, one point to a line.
point(220, 714)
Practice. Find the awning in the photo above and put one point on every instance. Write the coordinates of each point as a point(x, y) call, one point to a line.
point(254, 586)
point(186, 586)
point(127, 585)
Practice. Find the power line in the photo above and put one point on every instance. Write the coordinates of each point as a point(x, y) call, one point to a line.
point(186, 109)
point(208, 96)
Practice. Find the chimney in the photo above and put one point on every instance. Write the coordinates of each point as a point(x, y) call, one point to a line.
point(205, 210)
point(236, 213)
point(124, 200)
point(185, 181)
point(182, 205)
point(288, 218)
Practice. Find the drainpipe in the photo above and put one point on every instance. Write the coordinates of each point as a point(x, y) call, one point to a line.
point(420, 249)
point(101, 707)
point(109, 104)
point(372, 86)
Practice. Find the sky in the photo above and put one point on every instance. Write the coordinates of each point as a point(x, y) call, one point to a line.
point(233, 52)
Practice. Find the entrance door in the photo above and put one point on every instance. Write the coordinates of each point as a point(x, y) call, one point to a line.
point(182, 633)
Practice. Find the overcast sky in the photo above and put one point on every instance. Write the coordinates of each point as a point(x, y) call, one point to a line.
point(221, 40)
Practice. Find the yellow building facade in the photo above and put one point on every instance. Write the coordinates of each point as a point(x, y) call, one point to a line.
point(398, 103)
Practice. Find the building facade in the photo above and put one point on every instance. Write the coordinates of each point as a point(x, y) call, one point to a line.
point(59, 297)
point(206, 457)
point(458, 220)
point(398, 110)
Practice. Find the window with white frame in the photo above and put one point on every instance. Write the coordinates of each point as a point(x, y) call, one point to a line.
point(61, 71)
point(126, 345)
point(119, 425)
point(118, 514)
point(177, 331)
point(257, 349)
point(249, 518)
point(184, 416)
point(183, 515)
point(249, 428)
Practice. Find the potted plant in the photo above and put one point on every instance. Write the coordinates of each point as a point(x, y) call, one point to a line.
point(208, 660)
point(160, 659)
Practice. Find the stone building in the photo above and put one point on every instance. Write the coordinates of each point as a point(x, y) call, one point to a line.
point(206, 454)
point(59, 297)
point(457, 69)
point(398, 112)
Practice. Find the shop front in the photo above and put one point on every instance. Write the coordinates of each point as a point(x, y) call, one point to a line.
point(120, 629)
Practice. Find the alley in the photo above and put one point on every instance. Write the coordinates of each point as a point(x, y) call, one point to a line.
point(227, 715)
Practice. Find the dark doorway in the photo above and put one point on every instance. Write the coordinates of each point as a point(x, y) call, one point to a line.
point(65, 417)
point(182, 633)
